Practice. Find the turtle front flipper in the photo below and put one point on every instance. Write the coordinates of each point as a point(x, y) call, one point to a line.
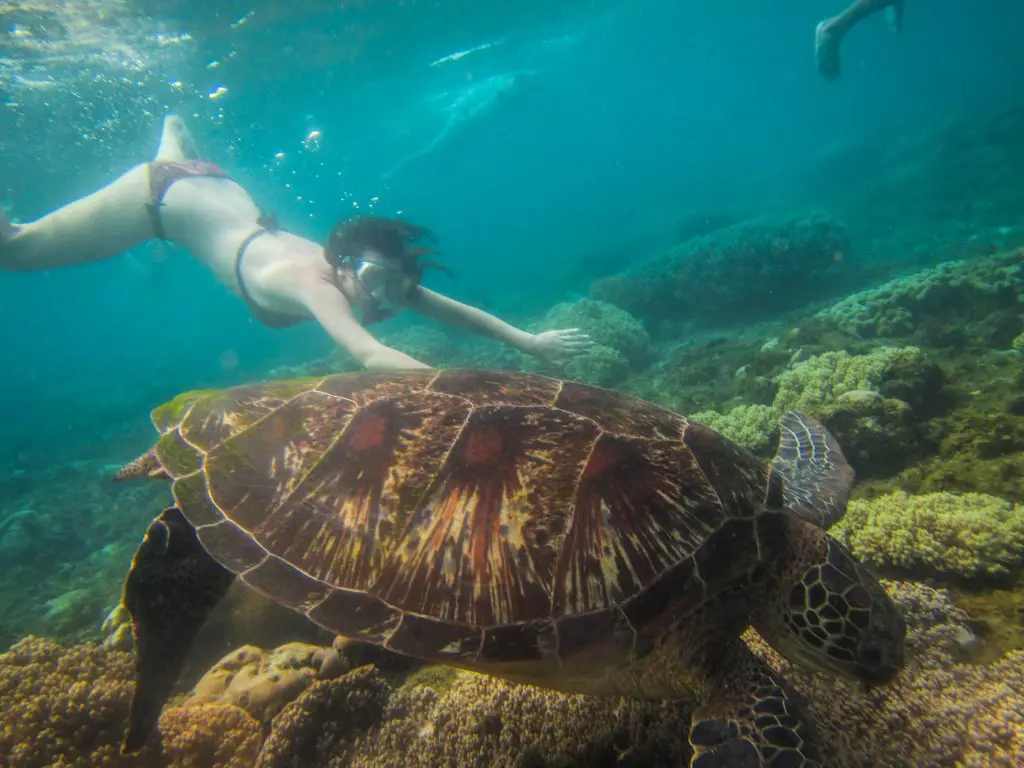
point(816, 477)
point(749, 719)
point(171, 588)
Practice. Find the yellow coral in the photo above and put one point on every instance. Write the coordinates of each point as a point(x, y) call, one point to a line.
point(822, 379)
point(68, 707)
point(210, 735)
point(969, 535)
point(749, 425)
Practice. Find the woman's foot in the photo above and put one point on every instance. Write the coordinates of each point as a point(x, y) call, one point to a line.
point(7, 229)
point(176, 143)
point(826, 50)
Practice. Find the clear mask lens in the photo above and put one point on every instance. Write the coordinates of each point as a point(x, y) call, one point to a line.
point(382, 283)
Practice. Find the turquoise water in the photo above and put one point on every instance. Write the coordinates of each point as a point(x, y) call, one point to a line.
point(676, 159)
point(615, 120)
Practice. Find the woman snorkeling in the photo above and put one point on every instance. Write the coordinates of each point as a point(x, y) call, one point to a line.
point(371, 265)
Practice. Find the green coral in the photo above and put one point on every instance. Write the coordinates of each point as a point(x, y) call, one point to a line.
point(1018, 342)
point(823, 379)
point(751, 426)
point(619, 341)
point(970, 535)
point(600, 365)
point(606, 324)
point(952, 304)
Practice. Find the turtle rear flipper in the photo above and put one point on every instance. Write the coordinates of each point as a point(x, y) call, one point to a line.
point(749, 719)
point(816, 478)
point(171, 588)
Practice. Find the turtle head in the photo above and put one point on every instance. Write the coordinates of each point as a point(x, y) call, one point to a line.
point(827, 612)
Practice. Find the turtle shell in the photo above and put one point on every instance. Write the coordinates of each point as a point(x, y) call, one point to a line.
point(469, 517)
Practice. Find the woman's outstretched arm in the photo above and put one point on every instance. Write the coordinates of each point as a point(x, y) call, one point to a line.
point(553, 346)
point(329, 308)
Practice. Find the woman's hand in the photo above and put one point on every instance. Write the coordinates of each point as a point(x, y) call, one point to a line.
point(385, 358)
point(559, 347)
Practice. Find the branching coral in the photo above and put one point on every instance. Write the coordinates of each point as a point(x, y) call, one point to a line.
point(62, 706)
point(823, 379)
point(320, 728)
point(968, 535)
point(751, 426)
point(465, 719)
point(209, 735)
point(68, 707)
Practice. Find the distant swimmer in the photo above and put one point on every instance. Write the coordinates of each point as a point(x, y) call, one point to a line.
point(830, 33)
point(370, 265)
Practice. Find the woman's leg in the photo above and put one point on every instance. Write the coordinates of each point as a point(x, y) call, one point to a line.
point(104, 224)
point(830, 33)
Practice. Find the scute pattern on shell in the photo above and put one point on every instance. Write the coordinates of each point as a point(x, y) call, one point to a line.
point(461, 515)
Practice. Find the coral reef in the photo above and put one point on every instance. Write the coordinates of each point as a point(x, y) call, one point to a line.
point(752, 426)
point(600, 366)
point(323, 726)
point(941, 710)
point(824, 379)
point(970, 536)
point(262, 683)
point(207, 736)
point(465, 719)
point(963, 304)
point(620, 342)
point(747, 271)
point(65, 553)
point(980, 440)
point(68, 707)
point(863, 399)
point(606, 325)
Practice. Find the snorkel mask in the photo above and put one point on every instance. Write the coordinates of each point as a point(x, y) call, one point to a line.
point(385, 257)
point(387, 286)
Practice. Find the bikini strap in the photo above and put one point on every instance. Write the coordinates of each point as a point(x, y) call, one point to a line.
point(243, 289)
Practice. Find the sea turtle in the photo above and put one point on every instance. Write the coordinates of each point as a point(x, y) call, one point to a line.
point(539, 530)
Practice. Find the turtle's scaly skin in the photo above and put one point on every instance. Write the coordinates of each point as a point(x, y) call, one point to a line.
point(535, 529)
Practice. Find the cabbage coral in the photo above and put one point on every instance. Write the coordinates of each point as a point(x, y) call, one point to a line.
point(968, 535)
point(823, 379)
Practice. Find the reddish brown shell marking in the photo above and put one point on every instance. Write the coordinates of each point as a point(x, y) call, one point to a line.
point(468, 516)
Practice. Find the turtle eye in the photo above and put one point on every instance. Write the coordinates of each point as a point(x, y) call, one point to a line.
point(873, 653)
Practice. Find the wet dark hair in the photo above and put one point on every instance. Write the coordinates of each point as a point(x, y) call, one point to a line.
point(396, 240)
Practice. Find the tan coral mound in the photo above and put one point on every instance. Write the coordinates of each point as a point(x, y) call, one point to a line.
point(262, 682)
point(67, 708)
